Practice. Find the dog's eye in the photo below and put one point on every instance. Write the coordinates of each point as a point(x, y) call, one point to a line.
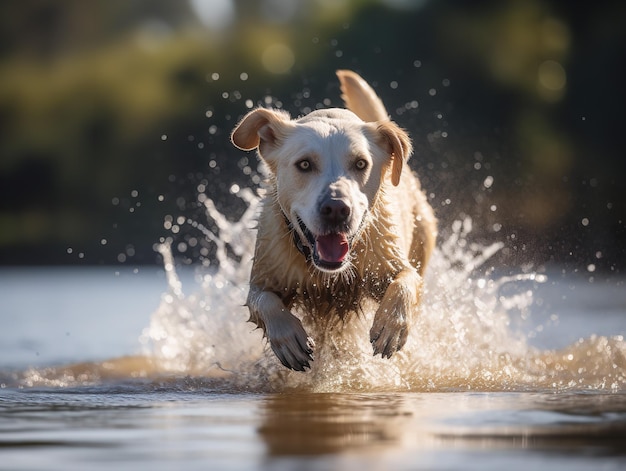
point(360, 164)
point(304, 165)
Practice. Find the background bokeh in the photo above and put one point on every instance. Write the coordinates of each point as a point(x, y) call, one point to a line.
point(115, 116)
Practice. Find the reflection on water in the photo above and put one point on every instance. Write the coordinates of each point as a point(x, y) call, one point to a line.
point(187, 423)
point(311, 424)
point(330, 423)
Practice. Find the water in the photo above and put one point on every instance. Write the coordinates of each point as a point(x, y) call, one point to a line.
point(158, 369)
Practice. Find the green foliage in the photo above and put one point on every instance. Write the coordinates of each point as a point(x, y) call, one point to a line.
point(103, 100)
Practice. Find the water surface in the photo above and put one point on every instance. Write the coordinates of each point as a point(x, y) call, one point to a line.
point(157, 369)
point(191, 425)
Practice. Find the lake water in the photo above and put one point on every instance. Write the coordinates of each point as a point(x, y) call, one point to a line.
point(156, 369)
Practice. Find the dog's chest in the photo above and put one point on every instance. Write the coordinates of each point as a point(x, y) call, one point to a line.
point(337, 295)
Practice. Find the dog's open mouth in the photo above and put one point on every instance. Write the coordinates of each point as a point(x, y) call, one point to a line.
point(332, 248)
point(329, 251)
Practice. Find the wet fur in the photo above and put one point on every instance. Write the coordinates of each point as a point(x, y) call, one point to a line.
point(388, 256)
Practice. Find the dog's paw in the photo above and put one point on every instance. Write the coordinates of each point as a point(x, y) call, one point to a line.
point(389, 331)
point(290, 342)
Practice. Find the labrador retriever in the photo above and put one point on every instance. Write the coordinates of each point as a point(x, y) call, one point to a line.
point(343, 220)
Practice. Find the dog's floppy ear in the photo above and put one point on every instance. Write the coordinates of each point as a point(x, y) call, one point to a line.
point(260, 127)
point(399, 146)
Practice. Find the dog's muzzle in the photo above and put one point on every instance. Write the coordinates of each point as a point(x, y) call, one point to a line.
point(328, 252)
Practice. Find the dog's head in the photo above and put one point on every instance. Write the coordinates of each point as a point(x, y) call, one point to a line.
point(328, 166)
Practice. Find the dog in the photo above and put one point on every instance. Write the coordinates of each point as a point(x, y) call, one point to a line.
point(343, 220)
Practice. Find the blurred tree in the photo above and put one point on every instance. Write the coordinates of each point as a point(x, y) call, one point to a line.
point(47, 29)
point(114, 115)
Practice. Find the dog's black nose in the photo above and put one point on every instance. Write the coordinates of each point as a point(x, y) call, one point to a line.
point(334, 211)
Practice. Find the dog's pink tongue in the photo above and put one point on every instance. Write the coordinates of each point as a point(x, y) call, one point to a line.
point(332, 247)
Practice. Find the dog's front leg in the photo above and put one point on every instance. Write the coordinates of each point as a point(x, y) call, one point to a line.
point(393, 317)
point(287, 337)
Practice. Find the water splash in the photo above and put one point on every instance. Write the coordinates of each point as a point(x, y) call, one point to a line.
point(463, 339)
point(202, 333)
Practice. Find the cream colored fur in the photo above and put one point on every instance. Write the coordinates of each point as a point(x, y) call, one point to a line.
point(357, 158)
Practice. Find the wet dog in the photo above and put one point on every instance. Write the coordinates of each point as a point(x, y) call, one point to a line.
point(343, 219)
